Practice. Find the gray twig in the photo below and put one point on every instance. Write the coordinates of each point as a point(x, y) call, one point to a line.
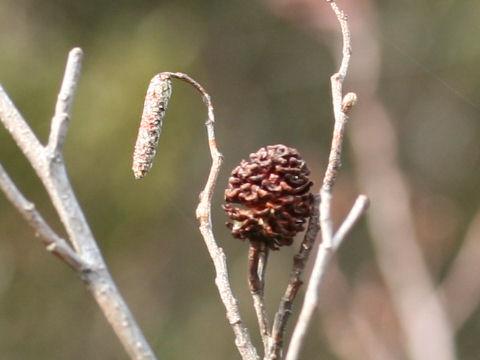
point(54, 243)
point(85, 256)
point(312, 294)
point(341, 108)
point(203, 213)
point(353, 216)
point(59, 124)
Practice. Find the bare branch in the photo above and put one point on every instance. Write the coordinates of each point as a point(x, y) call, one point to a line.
point(286, 304)
point(340, 113)
point(321, 262)
point(54, 243)
point(257, 263)
point(50, 168)
point(19, 130)
point(334, 160)
point(59, 124)
point(325, 252)
point(203, 213)
point(358, 209)
point(310, 302)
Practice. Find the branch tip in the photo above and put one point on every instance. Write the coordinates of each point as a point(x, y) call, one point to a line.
point(76, 51)
point(59, 123)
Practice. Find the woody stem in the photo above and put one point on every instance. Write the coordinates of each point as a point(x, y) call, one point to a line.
point(257, 264)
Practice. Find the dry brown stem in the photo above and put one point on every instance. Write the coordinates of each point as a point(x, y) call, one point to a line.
point(257, 262)
point(299, 262)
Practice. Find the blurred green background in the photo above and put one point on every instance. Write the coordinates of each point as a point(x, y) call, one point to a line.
point(269, 80)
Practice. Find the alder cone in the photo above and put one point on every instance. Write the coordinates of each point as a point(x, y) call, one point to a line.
point(274, 189)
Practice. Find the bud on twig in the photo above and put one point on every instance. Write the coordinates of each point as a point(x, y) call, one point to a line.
point(349, 100)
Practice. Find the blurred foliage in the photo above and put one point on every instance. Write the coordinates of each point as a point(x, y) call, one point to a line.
point(270, 84)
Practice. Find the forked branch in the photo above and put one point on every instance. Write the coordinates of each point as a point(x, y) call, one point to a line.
point(84, 255)
point(81, 251)
point(53, 243)
point(330, 241)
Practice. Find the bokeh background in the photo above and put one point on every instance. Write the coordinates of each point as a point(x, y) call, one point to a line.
point(266, 65)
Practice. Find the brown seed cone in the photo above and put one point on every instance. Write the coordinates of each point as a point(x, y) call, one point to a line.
point(274, 188)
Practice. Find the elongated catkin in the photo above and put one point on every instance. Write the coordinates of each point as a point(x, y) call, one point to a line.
point(156, 101)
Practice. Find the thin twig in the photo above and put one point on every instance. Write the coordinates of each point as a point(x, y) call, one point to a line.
point(53, 243)
point(51, 169)
point(144, 152)
point(286, 303)
point(49, 165)
point(59, 124)
point(203, 213)
point(20, 131)
point(312, 294)
point(326, 249)
point(357, 210)
point(341, 117)
point(257, 264)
